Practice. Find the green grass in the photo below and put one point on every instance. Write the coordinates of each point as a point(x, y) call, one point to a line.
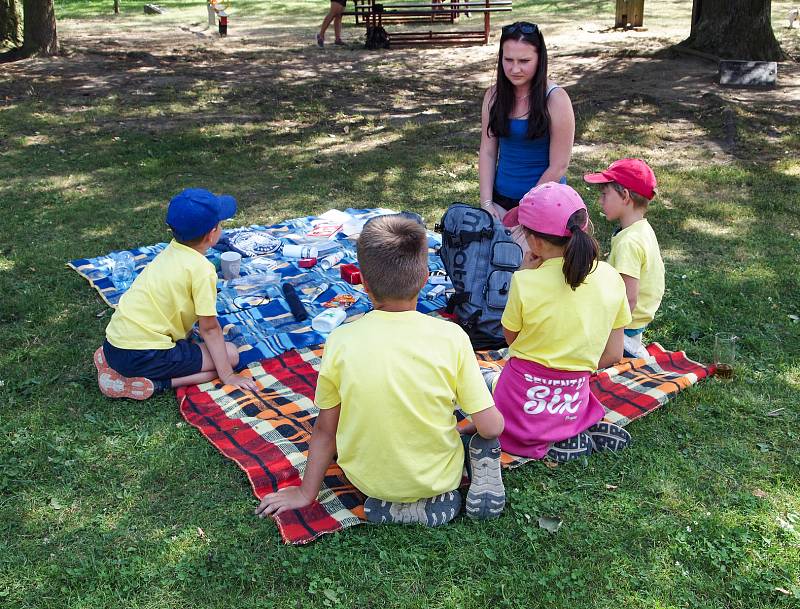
point(103, 502)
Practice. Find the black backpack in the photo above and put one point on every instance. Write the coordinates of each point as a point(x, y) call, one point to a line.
point(377, 38)
point(480, 256)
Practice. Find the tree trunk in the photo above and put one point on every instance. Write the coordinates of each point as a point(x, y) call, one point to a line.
point(116, 7)
point(10, 22)
point(734, 29)
point(40, 36)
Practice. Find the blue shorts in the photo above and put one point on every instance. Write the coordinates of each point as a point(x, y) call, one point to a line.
point(632, 332)
point(183, 359)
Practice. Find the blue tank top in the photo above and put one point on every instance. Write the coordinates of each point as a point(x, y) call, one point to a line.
point(521, 161)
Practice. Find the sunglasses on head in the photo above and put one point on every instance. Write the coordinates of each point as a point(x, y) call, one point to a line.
point(520, 26)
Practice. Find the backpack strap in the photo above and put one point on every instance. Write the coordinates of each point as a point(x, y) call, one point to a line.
point(456, 299)
point(463, 238)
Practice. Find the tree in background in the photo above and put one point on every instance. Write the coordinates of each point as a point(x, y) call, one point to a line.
point(39, 35)
point(734, 29)
point(10, 23)
point(39, 32)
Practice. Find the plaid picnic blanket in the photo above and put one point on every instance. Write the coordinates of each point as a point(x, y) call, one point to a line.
point(267, 434)
point(253, 314)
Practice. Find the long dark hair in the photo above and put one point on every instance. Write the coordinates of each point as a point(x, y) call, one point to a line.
point(502, 102)
point(581, 251)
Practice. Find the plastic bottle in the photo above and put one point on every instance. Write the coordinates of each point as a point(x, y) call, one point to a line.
point(328, 261)
point(124, 271)
point(290, 250)
point(328, 320)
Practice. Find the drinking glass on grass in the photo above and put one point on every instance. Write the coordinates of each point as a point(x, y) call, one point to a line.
point(725, 354)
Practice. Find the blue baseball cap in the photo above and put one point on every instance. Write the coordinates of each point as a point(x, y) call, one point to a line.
point(195, 211)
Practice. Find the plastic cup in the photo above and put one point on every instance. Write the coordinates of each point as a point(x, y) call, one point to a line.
point(230, 263)
point(724, 353)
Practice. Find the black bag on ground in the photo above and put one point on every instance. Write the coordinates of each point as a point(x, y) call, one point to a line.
point(377, 38)
point(480, 256)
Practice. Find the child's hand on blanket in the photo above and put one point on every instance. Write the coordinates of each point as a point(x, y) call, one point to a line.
point(291, 498)
point(241, 382)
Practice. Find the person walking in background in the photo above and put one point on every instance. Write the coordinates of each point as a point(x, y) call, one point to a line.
point(334, 15)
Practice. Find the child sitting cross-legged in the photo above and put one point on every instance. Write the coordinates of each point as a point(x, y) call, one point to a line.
point(387, 389)
point(146, 347)
point(565, 317)
point(626, 189)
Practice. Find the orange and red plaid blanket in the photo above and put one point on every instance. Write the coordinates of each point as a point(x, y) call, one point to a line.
point(267, 433)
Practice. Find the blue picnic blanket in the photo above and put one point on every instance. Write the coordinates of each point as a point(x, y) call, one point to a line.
point(251, 309)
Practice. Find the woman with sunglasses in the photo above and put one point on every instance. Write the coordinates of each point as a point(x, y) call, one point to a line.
point(527, 124)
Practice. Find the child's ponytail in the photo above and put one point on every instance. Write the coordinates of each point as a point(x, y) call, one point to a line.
point(581, 250)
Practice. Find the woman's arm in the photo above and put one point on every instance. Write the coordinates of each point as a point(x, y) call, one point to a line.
point(487, 158)
point(562, 134)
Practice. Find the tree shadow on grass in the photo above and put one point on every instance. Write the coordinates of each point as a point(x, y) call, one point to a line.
point(258, 124)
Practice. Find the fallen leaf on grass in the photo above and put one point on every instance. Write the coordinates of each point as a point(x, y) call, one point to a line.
point(611, 487)
point(759, 493)
point(551, 464)
point(201, 533)
point(775, 413)
point(55, 503)
point(101, 313)
point(551, 524)
point(764, 448)
point(794, 318)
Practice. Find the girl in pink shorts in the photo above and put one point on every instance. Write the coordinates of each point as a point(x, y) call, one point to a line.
point(565, 317)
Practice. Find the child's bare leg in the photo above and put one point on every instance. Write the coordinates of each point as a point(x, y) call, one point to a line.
point(208, 371)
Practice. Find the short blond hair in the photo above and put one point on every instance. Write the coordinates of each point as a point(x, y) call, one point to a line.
point(393, 256)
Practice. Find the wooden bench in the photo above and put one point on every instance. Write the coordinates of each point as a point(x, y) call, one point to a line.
point(377, 14)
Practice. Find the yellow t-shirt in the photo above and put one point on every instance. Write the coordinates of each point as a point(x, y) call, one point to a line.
point(635, 252)
point(561, 328)
point(398, 377)
point(165, 300)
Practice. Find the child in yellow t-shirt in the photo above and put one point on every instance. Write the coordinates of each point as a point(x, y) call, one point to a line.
point(626, 189)
point(387, 389)
point(146, 347)
point(564, 317)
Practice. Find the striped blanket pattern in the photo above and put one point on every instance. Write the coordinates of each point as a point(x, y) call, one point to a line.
point(255, 317)
point(266, 433)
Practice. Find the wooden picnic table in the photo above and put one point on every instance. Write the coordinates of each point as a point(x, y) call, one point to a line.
point(374, 14)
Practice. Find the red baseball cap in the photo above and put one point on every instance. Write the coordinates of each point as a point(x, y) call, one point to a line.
point(633, 174)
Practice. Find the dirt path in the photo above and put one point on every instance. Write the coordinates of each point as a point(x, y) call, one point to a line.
point(604, 71)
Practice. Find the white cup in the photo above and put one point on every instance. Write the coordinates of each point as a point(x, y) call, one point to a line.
point(230, 263)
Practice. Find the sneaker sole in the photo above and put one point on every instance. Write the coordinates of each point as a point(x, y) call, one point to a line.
point(579, 446)
point(113, 385)
point(432, 512)
point(486, 496)
point(608, 436)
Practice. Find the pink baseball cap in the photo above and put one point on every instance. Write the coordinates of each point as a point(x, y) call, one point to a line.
point(633, 174)
point(547, 209)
